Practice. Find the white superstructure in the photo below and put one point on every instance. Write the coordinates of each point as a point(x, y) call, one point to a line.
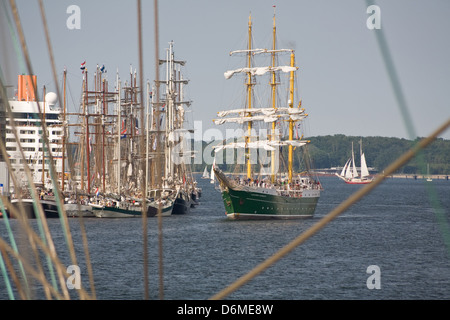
point(27, 120)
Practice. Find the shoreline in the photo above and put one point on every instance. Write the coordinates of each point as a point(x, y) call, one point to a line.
point(402, 176)
point(394, 176)
point(421, 176)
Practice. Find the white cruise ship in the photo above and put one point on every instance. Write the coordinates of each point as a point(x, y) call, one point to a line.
point(27, 120)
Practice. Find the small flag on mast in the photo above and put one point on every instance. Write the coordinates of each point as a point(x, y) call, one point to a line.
point(83, 66)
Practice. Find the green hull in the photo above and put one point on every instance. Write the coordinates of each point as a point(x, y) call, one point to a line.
point(241, 204)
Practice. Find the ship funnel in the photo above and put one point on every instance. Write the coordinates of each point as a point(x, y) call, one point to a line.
point(26, 88)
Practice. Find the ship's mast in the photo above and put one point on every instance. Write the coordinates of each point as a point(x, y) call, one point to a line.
point(81, 139)
point(156, 178)
point(273, 84)
point(43, 145)
point(276, 114)
point(249, 95)
point(169, 115)
point(147, 124)
point(291, 122)
point(103, 134)
point(119, 133)
point(88, 158)
point(64, 132)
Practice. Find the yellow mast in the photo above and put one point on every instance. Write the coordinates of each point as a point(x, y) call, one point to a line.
point(291, 122)
point(273, 84)
point(249, 94)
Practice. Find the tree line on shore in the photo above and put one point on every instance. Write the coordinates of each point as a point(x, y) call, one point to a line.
point(332, 151)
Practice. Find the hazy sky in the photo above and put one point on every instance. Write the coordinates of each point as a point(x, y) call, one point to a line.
point(343, 82)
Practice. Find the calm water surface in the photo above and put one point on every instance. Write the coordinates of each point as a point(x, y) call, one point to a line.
point(395, 228)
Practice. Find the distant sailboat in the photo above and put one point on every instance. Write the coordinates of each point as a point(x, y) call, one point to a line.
point(429, 179)
point(212, 177)
point(349, 172)
point(205, 174)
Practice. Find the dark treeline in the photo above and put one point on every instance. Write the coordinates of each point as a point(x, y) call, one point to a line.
point(333, 151)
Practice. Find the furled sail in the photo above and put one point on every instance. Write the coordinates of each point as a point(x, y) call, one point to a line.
point(265, 111)
point(267, 119)
point(249, 145)
point(259, 51)
point(268, 115)
point(259, 71)
point(269, 145)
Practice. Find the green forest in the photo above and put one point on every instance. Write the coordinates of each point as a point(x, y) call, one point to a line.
point(334, 150)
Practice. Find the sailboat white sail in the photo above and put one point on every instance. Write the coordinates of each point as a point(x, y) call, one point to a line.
point(354, 171)
point(344, 169)
point(205, 174)
point(364, 169)
point(212, 177)
point(350, 173)
point(429, 179)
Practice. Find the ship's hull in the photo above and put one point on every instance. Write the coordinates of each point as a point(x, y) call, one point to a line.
point(114, 212)
point(194, 199)
point(358, 181)
point(182, 203)
point(354, 180)
point(161, 199)
point(166, 209)
point(240, 204)
point(49, 207)
point(77, 210)
point(261, 203)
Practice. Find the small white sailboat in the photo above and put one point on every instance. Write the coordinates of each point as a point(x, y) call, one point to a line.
point(212, 177)
point(349, 172)
point(429, 179)
point(205, 174)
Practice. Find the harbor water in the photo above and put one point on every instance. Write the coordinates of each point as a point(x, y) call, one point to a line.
point(395, 229)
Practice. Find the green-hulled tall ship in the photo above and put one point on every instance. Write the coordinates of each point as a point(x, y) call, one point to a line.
point(258, 191)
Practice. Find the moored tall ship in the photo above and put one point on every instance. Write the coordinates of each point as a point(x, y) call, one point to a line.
point(272, 191)
point(111, 159)
point(172, 178)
